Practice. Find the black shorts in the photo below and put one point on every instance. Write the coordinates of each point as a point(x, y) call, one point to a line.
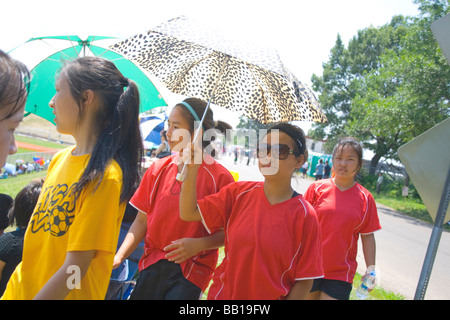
point(164, 280)
point(334, 288)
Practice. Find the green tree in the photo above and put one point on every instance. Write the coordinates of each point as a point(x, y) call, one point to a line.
point(390, 84)
point(406, 95)
point(337, 86)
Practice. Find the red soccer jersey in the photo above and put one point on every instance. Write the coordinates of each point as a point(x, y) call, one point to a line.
point(267, 247)
point(343, 216)
point(158, 196)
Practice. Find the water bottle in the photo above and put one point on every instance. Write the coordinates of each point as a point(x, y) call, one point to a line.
point(362, 292)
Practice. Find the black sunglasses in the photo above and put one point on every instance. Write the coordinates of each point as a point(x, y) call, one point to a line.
point(279, 151)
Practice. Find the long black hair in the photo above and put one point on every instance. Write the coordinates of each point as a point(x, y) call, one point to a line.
point(14, 83)
point(118, 131)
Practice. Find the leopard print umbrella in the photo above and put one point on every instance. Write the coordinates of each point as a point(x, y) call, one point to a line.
point(188, 59)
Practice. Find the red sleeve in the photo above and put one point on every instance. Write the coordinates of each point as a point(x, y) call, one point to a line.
point(215, 209)
point(310, 262)
point(225, 179)
point(141, 198)
point(371, 222)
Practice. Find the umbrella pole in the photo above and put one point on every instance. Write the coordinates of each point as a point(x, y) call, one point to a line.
point(182, 174)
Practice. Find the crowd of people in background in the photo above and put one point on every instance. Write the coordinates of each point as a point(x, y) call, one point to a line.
point(10, 170)
point(323, 171)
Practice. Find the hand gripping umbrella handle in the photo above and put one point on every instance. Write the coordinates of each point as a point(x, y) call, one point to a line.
point(182, 174)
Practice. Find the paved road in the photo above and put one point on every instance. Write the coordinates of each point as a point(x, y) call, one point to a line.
point(401, 249)
point(401, 245)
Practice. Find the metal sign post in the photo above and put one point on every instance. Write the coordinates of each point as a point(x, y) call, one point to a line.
point(427, 161)
point(434, 241)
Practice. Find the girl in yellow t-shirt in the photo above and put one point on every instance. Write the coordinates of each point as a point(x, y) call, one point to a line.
point(71, 239)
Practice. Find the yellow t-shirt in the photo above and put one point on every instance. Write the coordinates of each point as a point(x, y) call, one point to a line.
point(60, 224)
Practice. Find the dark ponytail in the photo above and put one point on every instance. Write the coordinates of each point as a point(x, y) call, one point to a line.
point(199, 106)
point(119, 137)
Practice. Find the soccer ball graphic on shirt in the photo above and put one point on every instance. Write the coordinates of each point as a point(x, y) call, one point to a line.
point(60, 222)
point(55, 210)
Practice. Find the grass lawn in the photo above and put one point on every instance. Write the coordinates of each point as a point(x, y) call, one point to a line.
point(38, 142)
point(12, 186)
point(408, 206)
point(377, 293)
point(405, 205)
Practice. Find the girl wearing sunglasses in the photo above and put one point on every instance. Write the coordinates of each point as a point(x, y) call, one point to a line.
point(346, 210)
point(272, 240)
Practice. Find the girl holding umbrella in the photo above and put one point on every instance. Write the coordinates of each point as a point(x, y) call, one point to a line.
point(179, 257)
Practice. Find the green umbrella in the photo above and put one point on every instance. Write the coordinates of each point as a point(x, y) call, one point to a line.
point(42, 87)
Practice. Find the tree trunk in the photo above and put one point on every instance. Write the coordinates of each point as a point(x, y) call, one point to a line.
point(373, 163)
point(406, 179)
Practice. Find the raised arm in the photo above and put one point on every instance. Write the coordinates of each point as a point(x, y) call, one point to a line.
point(188, 196)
